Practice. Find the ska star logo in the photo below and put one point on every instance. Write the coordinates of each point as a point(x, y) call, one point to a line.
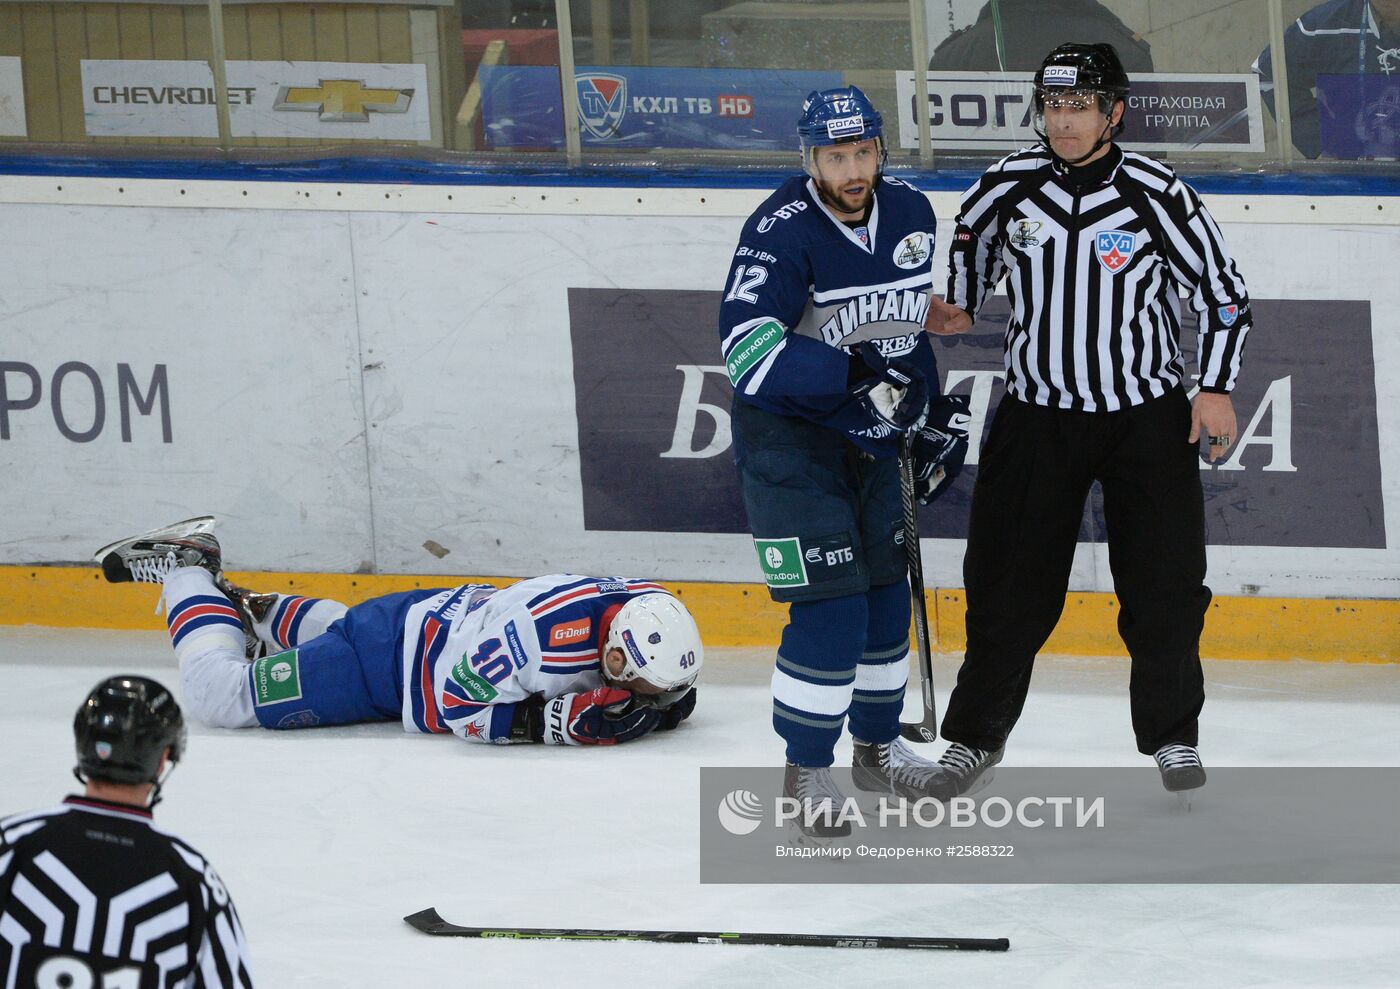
point(474, 730)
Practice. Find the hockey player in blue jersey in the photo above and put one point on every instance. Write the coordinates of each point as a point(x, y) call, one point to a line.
point(562, 659)
point(822, 335)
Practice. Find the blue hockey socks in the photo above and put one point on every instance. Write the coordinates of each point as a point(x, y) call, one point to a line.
point(878, 698)
point(815, 674)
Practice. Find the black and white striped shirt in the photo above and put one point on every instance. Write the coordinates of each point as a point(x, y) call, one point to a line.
point(93, 894)
point(1094, 271)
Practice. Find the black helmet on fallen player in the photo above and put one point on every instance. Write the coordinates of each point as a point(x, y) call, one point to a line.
point(123, 728)
point(1082, 70)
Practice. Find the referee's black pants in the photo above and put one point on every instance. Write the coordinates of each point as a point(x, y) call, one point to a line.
point(1034, 474)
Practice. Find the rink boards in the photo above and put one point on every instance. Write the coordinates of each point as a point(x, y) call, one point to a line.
point(445, 381)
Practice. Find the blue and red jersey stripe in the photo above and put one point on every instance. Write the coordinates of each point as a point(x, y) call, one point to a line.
point(200, 611)
point(594, 600)
point(286, 623)
point(430, 644)
point(432, 639)
point(580, 590)
point(569, 665)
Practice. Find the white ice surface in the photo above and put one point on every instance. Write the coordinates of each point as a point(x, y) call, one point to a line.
point(328, 837)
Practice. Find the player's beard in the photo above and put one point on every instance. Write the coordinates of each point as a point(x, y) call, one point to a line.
point(833, 196)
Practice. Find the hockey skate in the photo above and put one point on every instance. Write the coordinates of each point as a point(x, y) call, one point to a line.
point(893, 767)
point(152, 556)
point(1181, 767)
point(967, 769)
point(820, 802)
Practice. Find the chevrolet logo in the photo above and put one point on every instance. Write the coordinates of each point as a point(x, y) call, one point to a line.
point(343, 100)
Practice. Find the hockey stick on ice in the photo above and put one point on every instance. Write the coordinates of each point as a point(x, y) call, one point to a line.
point(429, 922)
point(926, 729)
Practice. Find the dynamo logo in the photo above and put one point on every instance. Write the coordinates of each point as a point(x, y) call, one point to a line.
point(602, 102)
point(740, 812)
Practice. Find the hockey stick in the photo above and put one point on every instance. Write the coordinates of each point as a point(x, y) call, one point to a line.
point(925, 730)
point(429, 922)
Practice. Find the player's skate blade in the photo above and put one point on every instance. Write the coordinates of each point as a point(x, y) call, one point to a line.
point(150, 556)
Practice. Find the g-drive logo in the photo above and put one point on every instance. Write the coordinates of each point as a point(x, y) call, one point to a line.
point(741, 812)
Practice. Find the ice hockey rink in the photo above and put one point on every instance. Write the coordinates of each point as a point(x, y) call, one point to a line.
point(328, 837)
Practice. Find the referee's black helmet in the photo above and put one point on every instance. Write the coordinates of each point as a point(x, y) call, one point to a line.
point(123, 728)
point(1079, 68)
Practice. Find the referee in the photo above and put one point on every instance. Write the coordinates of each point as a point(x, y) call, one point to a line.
point(92, 893)
point(1095, 244)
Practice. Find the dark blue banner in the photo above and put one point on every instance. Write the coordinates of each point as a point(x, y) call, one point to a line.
point(1304, 470)
point(1359, 116)
point(622, 106)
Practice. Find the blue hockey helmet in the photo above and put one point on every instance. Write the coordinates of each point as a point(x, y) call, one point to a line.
point(838, 116)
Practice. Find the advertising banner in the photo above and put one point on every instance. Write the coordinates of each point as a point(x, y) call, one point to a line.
point(348, 101)
point(625, 106)
point(1304, 471)
point(1165, 111)
point(12, 120)
point(486, 392)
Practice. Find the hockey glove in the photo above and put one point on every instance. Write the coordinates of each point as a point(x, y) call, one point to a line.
point(672, 716)
point(897, 395)
point(939, 448)
point(604, 716)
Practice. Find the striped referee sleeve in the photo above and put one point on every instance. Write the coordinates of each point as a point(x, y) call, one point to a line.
point(221, 960)
point(975, 264)
point(223, 953)
point(1201, 265)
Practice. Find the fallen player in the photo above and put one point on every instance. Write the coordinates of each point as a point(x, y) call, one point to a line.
point(562, 659)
